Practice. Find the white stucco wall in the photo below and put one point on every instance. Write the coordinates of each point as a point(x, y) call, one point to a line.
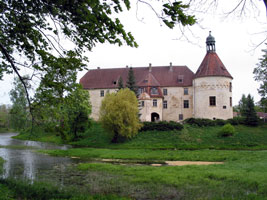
point(219, 87)
point(175, 101)
point(148, 109)
point(96, 100)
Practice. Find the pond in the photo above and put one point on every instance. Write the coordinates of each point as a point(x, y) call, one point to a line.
point(22, 162)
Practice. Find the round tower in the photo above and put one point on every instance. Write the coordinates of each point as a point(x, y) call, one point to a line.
point(212, 86)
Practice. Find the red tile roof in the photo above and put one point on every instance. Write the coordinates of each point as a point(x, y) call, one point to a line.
point(159, 76)
point(212, 66)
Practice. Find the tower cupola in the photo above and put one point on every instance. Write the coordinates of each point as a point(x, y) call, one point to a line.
point(210, 41)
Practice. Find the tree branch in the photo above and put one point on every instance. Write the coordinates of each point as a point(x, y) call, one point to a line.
point(8, 57)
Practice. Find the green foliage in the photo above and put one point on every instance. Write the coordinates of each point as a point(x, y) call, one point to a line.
point(249, 113)
point(120, 83)
point(19, 113)
point(242, 105)
point(4, 118)
point(131, 81)
point(119, 114)
point(161, 126)
point(78, 110)
point(202, 122)
point(226, 131)
point(60, 104)
point(260, 73)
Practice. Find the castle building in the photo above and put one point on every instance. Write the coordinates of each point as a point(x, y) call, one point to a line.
point(170, 93)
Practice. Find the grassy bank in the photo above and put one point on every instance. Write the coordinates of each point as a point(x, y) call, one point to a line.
point(242, 176)
point(190, 138)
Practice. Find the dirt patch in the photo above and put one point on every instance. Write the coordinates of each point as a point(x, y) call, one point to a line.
point(165, 163)
point(182, 163)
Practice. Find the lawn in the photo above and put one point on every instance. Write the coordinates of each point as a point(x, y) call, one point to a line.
point(243, 174)
point(190, 138)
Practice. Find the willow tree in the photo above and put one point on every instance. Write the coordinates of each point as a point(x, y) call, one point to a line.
point(119, 114)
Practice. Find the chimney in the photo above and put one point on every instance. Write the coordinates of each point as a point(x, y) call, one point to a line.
point(150, 67)
point(171, 67)
point(126, 66)
point(98, 67)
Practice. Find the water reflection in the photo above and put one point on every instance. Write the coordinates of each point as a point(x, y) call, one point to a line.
point(27, 164)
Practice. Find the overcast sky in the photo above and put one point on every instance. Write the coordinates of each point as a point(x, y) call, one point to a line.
point(235, 41)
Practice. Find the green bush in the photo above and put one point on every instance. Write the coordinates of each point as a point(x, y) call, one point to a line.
point(161, 126)
point(236, 121)
point(217, 122)
point(200, 122)
point(226, 131)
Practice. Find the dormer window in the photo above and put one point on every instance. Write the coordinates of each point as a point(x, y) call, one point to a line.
point(154, 91)
point(180, 78)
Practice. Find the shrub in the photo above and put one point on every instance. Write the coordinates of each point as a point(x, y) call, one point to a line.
point(161, 126)
point(200, 122)
point(236, 120)
point(226, 131)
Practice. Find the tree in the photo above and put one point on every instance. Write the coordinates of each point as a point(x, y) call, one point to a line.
point(120, 83)
point(250, 114)
point(4, 117)
point(78, 110)
point(131, 81)
point(260, 73)
point(242, 105)
point(19, 113)
point(34, 29)
point(60, 104)
point(119, 114)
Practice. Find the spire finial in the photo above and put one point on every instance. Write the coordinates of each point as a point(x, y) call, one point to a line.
point(210, 41)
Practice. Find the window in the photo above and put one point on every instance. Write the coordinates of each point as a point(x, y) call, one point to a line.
point(140, 91)
point(230, 87)
point(231, 102)
point(181, 117)
point(142, 103)
point(185, 91)
point(180, 78)
point(186, 103)
point(165, 92)
point(102, 93)
point(154, 90)
point(165, 105)
point(155, 103)
point(224, 107)
point(212, 101)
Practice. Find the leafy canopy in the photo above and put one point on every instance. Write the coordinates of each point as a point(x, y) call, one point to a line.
point(119, 114)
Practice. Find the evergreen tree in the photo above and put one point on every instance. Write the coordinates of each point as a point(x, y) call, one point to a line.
point(250, 114)
point(131, 81)
point(242, 106)
point(121, 83)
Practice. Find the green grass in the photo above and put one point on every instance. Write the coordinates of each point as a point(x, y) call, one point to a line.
point(153, 155)
point(190, 138)
point(14, 189)
point(243, 178)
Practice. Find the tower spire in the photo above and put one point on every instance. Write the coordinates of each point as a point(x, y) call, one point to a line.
point(210, 42)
